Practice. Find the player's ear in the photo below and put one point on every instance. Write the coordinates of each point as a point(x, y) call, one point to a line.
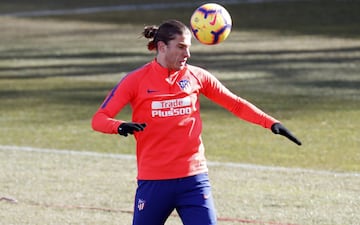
point(161, 46)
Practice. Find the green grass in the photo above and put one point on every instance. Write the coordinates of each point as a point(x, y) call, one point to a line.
point(298, 61)
point(82, 189)
point(301, 66)
point(318, 17)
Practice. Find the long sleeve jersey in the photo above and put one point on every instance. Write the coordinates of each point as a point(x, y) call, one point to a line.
point(168, 102)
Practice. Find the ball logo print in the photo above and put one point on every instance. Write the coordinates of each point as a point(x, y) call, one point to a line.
point(211, 23)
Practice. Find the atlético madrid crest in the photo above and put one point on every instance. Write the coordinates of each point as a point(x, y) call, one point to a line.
point(184, 85)
point(141, 204)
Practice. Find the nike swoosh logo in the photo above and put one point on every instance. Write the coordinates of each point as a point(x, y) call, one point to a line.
point(212, 23)
point(151, 91)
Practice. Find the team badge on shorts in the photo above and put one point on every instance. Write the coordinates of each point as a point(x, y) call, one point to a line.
point(141, 204)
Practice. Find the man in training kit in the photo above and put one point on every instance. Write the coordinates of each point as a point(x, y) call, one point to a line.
point(164, 97)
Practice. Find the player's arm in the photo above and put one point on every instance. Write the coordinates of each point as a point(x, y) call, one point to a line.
point(243, 109)
point(104, 118)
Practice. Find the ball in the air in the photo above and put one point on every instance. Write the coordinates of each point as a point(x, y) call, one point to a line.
point(211, 23)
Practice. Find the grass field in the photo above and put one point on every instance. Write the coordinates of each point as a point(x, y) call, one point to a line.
point(298, 61)
point(90, 189)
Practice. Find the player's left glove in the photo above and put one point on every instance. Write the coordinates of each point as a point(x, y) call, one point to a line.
point(278, 128)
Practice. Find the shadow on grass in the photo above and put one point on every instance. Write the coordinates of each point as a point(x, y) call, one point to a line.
point(23, 54)
point(294, 62)
point(338, 84)
point(316, 17)
point(236, 61)
point(90, 68)
point(65, 70)
point(320, 17)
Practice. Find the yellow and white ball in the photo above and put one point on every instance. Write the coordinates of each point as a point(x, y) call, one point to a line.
point(211, 23)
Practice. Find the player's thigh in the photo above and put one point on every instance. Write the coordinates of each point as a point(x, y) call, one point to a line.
point(195, 215)
point(153, 203)
point(196, 205)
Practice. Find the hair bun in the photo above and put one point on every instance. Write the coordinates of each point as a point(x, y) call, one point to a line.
point(150, 31)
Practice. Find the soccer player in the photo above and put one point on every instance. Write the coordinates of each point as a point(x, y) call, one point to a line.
point(164, 97)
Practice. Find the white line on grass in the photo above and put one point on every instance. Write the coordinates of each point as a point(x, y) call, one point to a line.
point(127, 7)
point(210, 163)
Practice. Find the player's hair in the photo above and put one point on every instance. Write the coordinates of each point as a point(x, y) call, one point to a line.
point(166, 32)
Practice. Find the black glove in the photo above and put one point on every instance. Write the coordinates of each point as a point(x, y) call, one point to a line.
point(278, 128)
point(129, 128)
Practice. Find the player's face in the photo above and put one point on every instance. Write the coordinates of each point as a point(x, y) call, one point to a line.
point(177, 51)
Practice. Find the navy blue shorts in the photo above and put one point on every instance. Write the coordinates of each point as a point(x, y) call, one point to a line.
point(191, 197)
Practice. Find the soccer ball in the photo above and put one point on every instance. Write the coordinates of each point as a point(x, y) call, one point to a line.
point(211, 23)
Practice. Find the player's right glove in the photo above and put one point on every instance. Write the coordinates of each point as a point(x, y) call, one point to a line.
point(129, 128)
point(278, 128)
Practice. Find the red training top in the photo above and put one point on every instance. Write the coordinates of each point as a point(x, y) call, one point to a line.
point(168, 102)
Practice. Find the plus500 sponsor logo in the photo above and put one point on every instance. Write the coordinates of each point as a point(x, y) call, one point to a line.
point(172, 107)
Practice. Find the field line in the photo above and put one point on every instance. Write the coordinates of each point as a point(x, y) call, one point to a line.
point(125, 7)
point(210, 163)
point(96, 208)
